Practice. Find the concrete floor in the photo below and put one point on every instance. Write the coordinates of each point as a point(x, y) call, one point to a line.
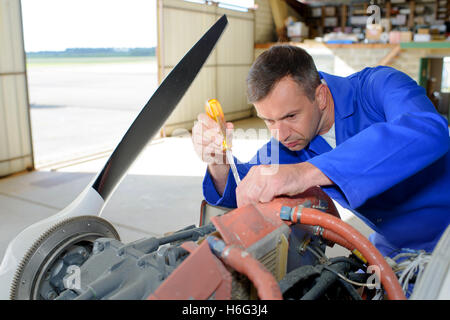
point(162, 191)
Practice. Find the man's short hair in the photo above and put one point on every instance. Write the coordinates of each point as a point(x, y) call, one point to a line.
point(278, 62)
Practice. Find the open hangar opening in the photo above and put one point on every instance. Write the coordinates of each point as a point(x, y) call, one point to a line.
point(162, 191)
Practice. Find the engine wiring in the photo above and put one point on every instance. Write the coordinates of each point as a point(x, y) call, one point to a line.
point(409, 267)
point(318, 253)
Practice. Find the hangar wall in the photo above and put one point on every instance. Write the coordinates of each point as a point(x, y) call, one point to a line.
point(223, 76)
point(16, 153)
point(264, 24)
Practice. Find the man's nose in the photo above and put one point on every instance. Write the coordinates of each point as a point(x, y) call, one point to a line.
point(281, 133)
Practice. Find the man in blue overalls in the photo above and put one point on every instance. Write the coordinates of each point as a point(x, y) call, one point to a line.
point(373, 141)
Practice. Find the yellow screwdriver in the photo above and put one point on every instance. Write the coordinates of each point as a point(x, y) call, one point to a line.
point(214, 111)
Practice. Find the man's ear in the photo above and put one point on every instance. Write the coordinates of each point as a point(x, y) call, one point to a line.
point(321, 96)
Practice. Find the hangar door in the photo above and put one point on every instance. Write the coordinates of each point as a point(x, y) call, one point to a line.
point(15, 132)
point(180, 25)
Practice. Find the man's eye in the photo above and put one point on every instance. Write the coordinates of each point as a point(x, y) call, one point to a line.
point(291, 116)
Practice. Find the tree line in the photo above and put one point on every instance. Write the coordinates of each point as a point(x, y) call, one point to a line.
point(95, 52)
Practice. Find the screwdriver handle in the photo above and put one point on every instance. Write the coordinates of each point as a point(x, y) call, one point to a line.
point(215, 112)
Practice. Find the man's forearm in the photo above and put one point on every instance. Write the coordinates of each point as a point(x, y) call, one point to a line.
point(219, 175)
point(313, 176)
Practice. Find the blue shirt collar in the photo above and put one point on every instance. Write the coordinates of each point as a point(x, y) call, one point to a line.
point(318, 145)
point(343, 94)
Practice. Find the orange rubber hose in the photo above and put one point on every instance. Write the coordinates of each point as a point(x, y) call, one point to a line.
point(388, 278)
point(264, 282)
point(334, 237)
point(241, 261)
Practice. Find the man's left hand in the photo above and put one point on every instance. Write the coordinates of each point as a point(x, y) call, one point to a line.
point(265, 182)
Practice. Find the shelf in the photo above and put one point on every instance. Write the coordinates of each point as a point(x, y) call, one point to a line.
point(426, 45)
point(345, 12)
point(403, 45)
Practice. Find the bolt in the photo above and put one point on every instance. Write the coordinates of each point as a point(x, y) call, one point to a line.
point(301, 249)
point(322, 206)
point(51, 295)
point(98, 247)
point(285, 213)
point(141, 263)
point(306, 204)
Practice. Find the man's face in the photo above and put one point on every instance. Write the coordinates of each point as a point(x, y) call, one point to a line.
point(289, 112)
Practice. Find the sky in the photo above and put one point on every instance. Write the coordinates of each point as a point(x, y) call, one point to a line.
point(54, 25)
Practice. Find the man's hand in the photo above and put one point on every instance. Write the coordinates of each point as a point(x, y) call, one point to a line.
point(264, 182)
point(207, 140)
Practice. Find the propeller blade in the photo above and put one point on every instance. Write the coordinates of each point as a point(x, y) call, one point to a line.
point(157, 110)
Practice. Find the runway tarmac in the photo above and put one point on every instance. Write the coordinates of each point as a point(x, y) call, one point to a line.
point(82, 106)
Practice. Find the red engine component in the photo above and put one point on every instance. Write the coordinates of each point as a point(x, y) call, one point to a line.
point(246, 239)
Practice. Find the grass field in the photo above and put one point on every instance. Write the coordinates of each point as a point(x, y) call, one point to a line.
point(59, 61)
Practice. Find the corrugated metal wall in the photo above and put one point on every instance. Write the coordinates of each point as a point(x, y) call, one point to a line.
point(264, 25)
point(180, 25)
point(15, 131)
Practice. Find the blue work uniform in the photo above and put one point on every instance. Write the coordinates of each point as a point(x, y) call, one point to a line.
point(391, 164)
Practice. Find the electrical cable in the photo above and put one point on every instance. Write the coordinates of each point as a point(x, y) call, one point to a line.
point(357, 276)
point(349, 260)
point(359, 284)
point(415, 268)
point(315, 217)
point(350, 289)
point(314, 252)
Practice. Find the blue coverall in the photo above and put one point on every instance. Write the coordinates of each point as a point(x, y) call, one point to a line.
point(391, 164)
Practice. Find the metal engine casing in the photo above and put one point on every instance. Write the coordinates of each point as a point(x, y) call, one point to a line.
point(118, 272)
point(187, 269)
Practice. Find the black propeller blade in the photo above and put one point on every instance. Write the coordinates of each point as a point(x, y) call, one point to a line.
point(157, 110)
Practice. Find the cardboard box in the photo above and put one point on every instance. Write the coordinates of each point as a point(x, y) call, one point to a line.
point(297, 29)
point(358, 20)
point(373, 32)
point(400, 36)
point(421, 37)
point(330, 22)
point(330, 11)
point(406, 36)
point(423, 31)
point(316, 12)
point(398, 20)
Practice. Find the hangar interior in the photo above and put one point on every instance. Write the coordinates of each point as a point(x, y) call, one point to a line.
point(162, 191)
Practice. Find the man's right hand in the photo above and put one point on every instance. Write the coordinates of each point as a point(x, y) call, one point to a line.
point(207, 140)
